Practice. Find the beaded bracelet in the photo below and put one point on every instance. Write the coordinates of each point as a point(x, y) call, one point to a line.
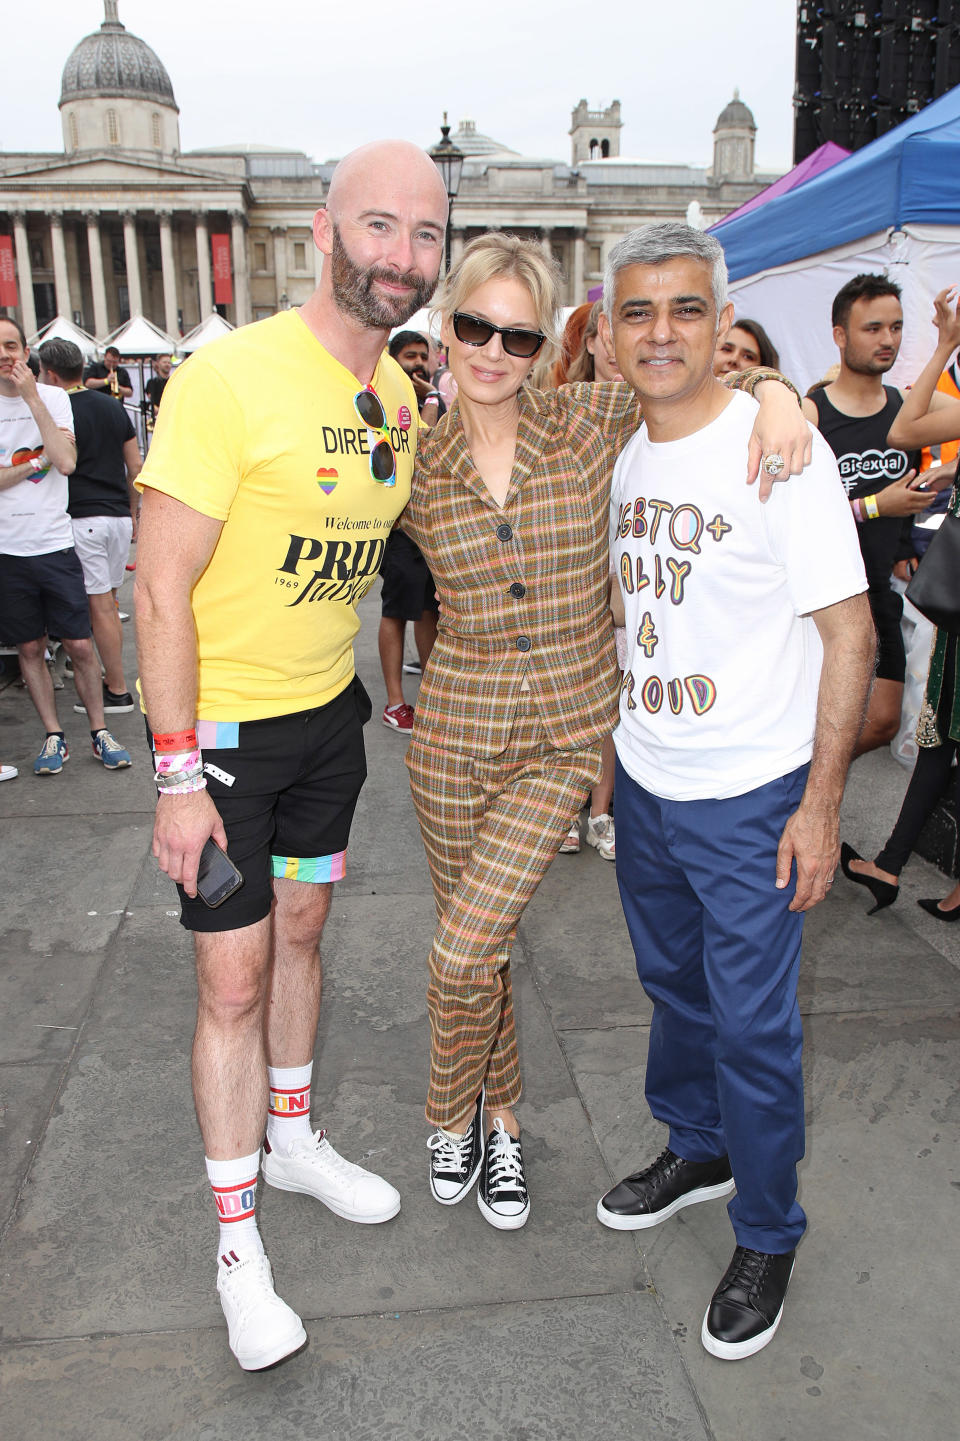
point(185, 787)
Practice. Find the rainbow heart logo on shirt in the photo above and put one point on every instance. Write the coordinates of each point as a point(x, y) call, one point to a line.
point(19, 457)
point(327, 480)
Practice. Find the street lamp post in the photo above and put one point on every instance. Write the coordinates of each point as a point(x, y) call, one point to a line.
point(449, 161)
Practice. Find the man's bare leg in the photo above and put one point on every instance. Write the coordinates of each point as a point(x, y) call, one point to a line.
point(883, 716)
point(307, 1163)
point(425, 635)
point(36, 677)
point(87, 678)
point(390, 642)
point(229, 1061)
point(296, 978)
point(105, 620)
point(230, 1092)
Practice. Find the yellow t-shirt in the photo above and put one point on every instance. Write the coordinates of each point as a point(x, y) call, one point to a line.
point(259, 430)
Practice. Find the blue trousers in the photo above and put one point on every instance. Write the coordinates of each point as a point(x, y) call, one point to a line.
point(718, 953)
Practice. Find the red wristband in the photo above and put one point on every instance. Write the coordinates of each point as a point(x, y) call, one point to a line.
point(175, 741)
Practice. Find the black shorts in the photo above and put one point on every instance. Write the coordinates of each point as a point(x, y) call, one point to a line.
point(408, 588)
point(886, 607)
point(286, 790)
point(43, 595)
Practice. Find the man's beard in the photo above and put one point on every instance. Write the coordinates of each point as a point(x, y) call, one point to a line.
point(868, 365)
point(353, 290)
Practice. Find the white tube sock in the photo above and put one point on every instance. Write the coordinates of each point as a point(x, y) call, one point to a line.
point(235, 1192)
point(288, 1113)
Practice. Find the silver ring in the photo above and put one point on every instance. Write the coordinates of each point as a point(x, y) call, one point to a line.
point(773, 464)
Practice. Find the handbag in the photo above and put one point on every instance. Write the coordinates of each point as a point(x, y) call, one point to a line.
point(935, 586)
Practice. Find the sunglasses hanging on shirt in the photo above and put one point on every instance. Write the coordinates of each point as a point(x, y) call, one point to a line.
point(383, 462)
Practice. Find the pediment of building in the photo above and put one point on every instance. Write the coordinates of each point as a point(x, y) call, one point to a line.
point(102, 168)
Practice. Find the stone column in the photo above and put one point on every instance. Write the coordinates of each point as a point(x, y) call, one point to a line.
point(546, 238)
point(101, 323)
point(241, 273)
point(169, 269)
point(317, 261)
point(456, 246)
point(579, 294)
point(279, 233)
point(204, 283)
point(28, 310)
point(61, 280)
point(132, 259)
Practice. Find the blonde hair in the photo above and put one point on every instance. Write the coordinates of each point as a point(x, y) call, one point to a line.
point(493, 255)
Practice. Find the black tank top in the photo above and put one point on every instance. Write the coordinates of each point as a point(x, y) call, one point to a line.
point(868, 464)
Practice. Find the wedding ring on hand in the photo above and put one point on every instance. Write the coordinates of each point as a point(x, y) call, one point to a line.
point(773, 464)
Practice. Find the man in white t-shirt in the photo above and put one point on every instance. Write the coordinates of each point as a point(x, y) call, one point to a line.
point(750, 648)
point(41, 579)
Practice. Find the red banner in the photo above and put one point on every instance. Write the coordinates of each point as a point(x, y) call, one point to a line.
point(222, 279)
point(8, 275)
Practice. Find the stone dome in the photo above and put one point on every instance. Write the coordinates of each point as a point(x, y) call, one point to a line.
point(736, 116)
point(112, 62)
point(473, 143)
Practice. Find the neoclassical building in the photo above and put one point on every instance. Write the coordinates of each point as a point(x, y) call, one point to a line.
point(123, 222)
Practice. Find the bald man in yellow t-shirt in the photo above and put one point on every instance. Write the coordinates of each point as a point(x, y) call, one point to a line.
point(282, 457)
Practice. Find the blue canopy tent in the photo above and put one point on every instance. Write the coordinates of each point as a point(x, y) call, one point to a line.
point(892, 207)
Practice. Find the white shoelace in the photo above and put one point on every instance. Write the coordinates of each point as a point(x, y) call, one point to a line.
point(321, 1154)
point(50, 746)
point(250, 1285)
point(450, 1155)
point(506, 1161)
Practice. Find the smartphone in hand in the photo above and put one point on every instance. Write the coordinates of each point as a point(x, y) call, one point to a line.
point(217, 876)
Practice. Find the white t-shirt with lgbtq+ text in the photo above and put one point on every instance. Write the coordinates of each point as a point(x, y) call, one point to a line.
point(719, 694)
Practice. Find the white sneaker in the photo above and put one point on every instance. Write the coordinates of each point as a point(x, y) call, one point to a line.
point(601, 833)
point(314, 1168)
point(571, 844)
point(262, 1328)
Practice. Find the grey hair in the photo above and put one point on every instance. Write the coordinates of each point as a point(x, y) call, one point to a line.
point(654, 244)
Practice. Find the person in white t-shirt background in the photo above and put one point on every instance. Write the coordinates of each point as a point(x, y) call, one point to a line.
point(750, 650)
point(41, 580)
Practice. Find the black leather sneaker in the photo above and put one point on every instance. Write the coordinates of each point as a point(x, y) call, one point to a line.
point(653, 1195)
point(502, 1196)
point(455, 1165)
point(745, 1311)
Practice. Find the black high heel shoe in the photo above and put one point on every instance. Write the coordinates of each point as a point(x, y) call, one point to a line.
point(932, 907)
point(882, 891)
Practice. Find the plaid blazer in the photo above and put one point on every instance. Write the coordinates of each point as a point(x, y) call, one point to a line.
point(523, 589)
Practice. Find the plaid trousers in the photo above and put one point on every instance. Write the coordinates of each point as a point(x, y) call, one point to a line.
point(490, 828)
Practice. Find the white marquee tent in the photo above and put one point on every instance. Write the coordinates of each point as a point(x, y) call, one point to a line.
point(138, 338)
point(210, 329)
point(63, 329)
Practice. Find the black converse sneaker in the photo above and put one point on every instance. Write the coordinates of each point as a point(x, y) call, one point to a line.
point(502, 1196)
point(746, 1308)
point(455, 1165)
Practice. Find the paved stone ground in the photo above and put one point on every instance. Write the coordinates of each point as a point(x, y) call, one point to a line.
point(435, 1325)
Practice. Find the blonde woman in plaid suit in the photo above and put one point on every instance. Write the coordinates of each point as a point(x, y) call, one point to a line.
point(510, 507)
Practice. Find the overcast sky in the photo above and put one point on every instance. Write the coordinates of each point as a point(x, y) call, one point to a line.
point(323, 77)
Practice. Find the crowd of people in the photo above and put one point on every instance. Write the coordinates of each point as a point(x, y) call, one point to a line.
point(607, 609)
